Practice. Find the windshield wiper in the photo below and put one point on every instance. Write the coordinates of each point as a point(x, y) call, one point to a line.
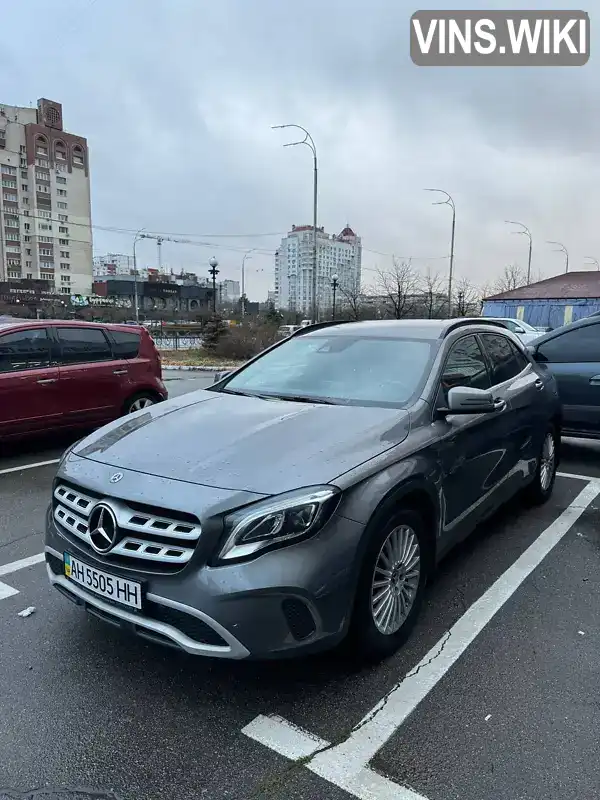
point(298, 398)
point(236, 391)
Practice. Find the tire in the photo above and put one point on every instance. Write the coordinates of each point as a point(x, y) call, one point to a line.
point(368, 638)
point(138, 401)
point(540, 489)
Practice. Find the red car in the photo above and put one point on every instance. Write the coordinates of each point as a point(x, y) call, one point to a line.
point(58, 375)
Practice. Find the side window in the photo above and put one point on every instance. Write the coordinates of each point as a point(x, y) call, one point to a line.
point(505, 358)
point(126, 344)
point(83, 345)
point(577, 346)
point(25, 349)
point(465, 366)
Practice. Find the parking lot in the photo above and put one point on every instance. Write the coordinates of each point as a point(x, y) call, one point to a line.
point(495, 696)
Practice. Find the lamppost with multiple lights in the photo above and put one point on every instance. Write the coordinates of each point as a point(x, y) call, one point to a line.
point(448, 202)
point(560, 248)
point(309, 142)
point(213, 272)
point(524, 232)
point(334, 287)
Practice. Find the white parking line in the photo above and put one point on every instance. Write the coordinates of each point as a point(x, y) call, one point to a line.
point(345, 764)
point(14, 566)
point(29, 466)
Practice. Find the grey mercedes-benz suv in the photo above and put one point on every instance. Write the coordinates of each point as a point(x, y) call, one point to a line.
point(306, 497)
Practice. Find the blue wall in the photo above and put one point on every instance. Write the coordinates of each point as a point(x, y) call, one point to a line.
point(547, 313)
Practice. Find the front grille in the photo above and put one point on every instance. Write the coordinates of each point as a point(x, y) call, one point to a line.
point(149, 539)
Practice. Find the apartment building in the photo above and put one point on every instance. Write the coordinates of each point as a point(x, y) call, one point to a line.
point(338, 255)
point(112, 264)
point(45, 214)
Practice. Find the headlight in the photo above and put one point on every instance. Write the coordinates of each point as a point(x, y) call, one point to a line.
point(277, 522)
point(65, 454)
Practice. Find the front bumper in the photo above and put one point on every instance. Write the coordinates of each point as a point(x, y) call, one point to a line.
point(288, 601)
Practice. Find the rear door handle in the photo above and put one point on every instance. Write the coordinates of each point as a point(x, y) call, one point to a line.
point(44, 381)
point(119, 372)
point(595, 380)
point(499, 404)
point(539, 384)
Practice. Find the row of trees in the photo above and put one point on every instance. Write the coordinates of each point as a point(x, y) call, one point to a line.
point(398, 293)
point(403, 292)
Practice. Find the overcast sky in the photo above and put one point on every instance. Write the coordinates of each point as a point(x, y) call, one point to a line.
point(176, 99)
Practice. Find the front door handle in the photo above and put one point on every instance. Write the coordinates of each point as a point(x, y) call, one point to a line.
point(44, 381)
point(595, 380)
point(119, 372)
point(499, 404)
point(539, 384)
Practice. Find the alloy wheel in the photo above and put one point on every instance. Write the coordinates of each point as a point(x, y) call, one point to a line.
point(141, 402)
point(547, 462)
point(395, 580)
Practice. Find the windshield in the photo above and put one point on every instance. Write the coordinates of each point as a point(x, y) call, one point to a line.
point(340, 369)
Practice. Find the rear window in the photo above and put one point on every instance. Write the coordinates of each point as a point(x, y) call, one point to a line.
point(126, 344)
point(83, 345)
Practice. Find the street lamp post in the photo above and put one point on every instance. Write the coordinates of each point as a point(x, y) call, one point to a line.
point(448, 202)
point(243, 298)
point(593, 261)
point(524, 232)
point(213, 272)
point(334, 286)
point(309, 142)
point(139, 235)
point(560, 248)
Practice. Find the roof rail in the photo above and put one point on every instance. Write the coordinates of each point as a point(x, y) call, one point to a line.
point(317, 326)
point(460, 323)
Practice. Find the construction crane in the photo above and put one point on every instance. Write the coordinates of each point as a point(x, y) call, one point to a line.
point(160, 239)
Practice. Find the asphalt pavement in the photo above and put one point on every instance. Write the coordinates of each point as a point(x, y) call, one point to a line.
point(493, 698)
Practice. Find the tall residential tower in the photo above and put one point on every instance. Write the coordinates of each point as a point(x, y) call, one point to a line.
point(45, 216)
point(336, 255)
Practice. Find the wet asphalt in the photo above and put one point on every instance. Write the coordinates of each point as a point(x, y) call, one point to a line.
point(87, 713)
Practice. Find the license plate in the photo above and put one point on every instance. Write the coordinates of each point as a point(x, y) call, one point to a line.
point(129, 593)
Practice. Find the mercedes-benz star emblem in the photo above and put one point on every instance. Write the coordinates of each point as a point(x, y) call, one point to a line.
point(103, 528)
point(116, 477)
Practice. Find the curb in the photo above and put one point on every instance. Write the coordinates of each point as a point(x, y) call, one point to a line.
point(197, 369)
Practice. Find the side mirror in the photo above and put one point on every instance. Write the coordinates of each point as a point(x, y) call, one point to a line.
point(466, 400)
point(219, 376)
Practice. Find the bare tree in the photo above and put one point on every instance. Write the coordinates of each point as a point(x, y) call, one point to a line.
point(398, 289)
point(512, 277)
point(468, 298)
point(352, 300)
point(434, 300)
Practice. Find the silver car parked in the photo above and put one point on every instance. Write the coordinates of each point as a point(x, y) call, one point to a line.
point(305, 498)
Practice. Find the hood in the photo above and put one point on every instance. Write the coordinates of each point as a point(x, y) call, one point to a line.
point(245, 443)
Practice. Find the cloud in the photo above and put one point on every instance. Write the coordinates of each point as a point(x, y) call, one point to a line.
point(177, 98)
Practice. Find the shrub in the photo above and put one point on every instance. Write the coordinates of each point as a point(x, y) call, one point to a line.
point(245, 341)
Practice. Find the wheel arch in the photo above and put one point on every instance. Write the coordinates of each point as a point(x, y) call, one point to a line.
point(140, 392)
point(415, 494)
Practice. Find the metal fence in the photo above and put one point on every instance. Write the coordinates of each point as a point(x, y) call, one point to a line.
point(177, 342)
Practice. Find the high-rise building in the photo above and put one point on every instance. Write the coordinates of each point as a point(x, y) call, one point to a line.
point(229, 291)
point(336, 255)
point(45, 215)
point(113, 264)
